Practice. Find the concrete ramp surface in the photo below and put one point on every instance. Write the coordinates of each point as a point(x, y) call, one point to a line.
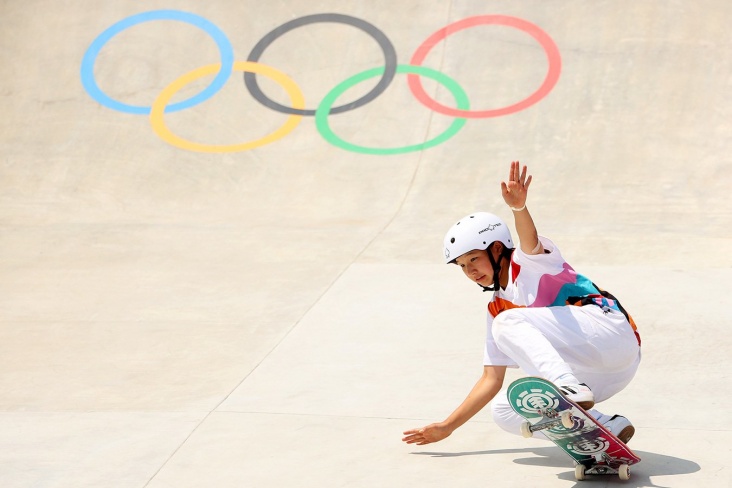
point(221, 227)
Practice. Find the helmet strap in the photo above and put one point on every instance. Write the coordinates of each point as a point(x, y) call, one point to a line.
point(505, 254)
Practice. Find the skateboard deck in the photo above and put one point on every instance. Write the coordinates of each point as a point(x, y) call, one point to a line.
point(594, 449)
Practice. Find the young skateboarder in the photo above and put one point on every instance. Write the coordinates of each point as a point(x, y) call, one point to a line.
point(543, 317)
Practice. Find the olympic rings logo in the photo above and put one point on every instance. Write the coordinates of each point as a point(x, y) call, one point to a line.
point(296, 111)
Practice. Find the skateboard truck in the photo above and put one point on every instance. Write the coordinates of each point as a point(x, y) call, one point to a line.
point(601, 466)
point(550, 419)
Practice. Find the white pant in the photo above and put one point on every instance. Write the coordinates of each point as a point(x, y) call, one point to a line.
point(596, 345)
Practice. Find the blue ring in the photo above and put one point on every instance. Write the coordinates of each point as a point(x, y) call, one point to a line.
point(90, 57)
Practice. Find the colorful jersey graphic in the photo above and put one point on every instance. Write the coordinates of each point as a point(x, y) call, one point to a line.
point(543, 280)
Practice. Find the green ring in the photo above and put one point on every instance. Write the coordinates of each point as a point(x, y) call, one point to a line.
point(321, 114)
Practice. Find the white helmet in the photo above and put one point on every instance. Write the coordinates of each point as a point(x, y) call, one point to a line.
point(475, 231)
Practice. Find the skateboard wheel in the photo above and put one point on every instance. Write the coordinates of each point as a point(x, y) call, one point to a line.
point(579, 472)
point(567, 420)
point(624, 472)
point(526, 430)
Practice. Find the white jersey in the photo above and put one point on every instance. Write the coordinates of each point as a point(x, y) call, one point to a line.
point(539, 280)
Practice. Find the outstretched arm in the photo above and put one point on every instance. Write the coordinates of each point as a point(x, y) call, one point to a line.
point(483, 392)
point(514, 194)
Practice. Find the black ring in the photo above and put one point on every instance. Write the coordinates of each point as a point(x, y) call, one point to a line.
point(390, 61)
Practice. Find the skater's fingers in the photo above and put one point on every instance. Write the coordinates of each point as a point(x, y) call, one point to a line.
point(413, 435)
point(528, 182)
point(514, 170)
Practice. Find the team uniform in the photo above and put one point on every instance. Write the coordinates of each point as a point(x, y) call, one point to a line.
point(555, 323)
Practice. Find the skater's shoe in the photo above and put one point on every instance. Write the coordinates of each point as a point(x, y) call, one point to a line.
point(620, 427)
point(579, 394)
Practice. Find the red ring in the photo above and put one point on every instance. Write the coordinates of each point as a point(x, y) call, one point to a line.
point(550, 48)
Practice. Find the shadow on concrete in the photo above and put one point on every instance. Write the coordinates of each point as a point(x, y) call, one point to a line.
point(652, 464)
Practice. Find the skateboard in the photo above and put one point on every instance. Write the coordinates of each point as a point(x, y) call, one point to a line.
point(595, 449)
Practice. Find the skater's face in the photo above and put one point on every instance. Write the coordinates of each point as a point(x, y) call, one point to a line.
point(477, 267)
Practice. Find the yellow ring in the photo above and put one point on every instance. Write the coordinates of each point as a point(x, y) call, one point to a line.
point(158, 107)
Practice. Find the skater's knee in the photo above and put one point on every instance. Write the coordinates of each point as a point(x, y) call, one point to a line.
point(507, 419)
point(504, 417)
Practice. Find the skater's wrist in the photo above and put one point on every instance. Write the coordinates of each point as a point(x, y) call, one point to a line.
point(448, 425)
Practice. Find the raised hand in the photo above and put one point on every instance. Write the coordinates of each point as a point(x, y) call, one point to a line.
point(514, 191)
